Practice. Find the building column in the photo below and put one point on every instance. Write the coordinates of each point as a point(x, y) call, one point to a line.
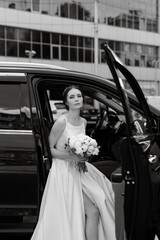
point(96, 36)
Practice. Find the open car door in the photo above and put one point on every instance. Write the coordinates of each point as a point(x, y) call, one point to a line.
point(140, 151)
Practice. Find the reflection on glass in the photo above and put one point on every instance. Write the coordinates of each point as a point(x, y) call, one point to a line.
point(36, 5)
point(136, 14)
point(24, 35)
point(16, 158)
point(11, 33)
point(132, 54)
point(12, 116)
point(15, 118)
point(23, 47)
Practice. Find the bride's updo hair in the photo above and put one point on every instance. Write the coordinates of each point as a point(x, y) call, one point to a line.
point(65, 93)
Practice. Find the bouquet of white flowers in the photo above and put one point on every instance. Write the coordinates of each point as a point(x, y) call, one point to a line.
point(83, 146)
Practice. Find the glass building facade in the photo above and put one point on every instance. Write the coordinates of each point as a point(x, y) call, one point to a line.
point(134, 14)
point(64, 47)
point(138, 16)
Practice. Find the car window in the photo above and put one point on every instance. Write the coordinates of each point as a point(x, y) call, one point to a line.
point(137, 118)
point(14, 107)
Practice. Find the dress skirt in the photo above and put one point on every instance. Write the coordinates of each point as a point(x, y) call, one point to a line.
point(62, 215)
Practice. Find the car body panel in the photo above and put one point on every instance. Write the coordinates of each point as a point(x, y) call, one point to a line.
point(25, 157)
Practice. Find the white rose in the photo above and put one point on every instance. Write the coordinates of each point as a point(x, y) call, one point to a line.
point(90, 149)
point(77, 144)
point(96, 151)
point(93, 142)
point(79, 151)
point(84, 147)
point(71, 142)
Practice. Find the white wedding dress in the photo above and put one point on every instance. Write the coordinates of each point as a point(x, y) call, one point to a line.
point(62, 215)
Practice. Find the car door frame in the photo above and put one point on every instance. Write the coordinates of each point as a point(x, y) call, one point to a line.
point(137, 212)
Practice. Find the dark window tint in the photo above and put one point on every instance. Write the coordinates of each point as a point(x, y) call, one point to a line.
point(2, 48)
point(14, 109)
point(22, 49)
point(11, 48)
point(11, 33)
point(64, 53)
point(55, 52)
point(35, 36)
point(64, 39)
point(73, 54)
point(24, 35)
point(81, 55)
point(55, 38)
point(37, 48)
point(1, 32)
point(45, 37)
point(73, 40)
point(46, 51)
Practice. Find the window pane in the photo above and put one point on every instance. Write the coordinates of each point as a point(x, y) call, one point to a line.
point(81, 55)
point(87, 55)
point(35, 36)
point(64, 10)
point(24, 35)
point(73, 54)
point(55, 52)
point(37, 49)
point(55, 38)
point(73, 10)
point(11, 33)
point(1, 32)
point(35, 4)
point(2, 48)
point(11, 49)
point(89, 42)
point(64, 53)
point(73, 40)
point(9, 107)
point(46, 51)
point(22, 48)
point(80, 11)
point(45, 37)
point(64, 39)
point(80, 41)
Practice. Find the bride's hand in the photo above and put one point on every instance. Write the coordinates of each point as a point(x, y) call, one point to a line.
point(78, 158)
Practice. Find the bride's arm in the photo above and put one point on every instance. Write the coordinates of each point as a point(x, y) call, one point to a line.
point(54, 136)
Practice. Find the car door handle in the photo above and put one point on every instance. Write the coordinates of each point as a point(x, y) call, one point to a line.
point(45, 159)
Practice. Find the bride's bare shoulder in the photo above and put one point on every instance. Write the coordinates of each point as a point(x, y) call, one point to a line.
point(60, 123)
point(84, 120)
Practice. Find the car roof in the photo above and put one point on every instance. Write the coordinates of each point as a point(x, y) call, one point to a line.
point(25, 65)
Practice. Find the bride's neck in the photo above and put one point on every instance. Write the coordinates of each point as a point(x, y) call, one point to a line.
point(74, 115)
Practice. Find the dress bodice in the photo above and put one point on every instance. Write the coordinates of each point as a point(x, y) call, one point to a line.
point(70, 130)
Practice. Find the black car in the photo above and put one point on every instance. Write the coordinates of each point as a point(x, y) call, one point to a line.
point(129, 154)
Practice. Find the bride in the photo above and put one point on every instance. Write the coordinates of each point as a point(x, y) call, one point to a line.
point(75, 204)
